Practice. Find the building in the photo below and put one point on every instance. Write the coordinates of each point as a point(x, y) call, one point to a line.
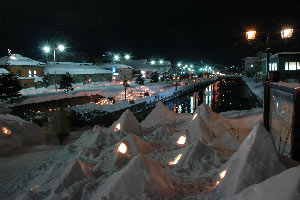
point(286, 66)
point(80, 72)
point(119, 71)
point(29, 72)
point(146, 68)
point(248, 63)
point(3, 71)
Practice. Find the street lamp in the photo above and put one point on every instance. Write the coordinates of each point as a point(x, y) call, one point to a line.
point(116, 57)
point(152, 62)
point(250, 35)
point(127, 56)
point(287, 33)
point(47, 50)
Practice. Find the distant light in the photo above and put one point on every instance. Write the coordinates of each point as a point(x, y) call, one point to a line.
point(127, 57)
point(161, 62)
point(116, 57)
point(222, 174)
point(250, 35)
point(191, 65)
point(179, 64)
point(61, 47)
point(46, 49)
point(152, 62)
point(287, 33)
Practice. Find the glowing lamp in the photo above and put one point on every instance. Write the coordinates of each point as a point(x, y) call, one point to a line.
point(152, 62)
point(122, 148)
point(250, 35)
point(181, 140)
point(127, 57)
point(61, 47)
point(118, 127)
point(6, 131)
point(179, 64)
point(222, 174)
point(175, 161)
point(46, 49)
point(287, 33)
point(116, 57)
point(195, 116)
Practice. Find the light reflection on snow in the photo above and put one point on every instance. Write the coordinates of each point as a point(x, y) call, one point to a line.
point(6, 131)
point(118, 127)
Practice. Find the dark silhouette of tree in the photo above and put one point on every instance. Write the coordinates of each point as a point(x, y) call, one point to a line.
point(46, 80)
point(66, 82)
point(9, 87)
point(154, 77)
point(140, 80)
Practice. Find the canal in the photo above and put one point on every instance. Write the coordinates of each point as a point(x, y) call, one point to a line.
point(221, 96)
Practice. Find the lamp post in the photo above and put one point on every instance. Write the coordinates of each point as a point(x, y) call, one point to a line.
point(250, 35)
point(47, 50)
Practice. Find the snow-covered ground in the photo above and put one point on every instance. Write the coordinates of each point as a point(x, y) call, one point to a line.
point(167, 156)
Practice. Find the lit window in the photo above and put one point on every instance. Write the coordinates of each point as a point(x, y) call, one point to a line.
point(298, 65)
point(30, 74)
point(270, 66)
point(34, 72)
point(286, 66)
point(275, 66)
point(292, 65)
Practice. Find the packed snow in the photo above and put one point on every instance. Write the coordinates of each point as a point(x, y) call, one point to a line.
point(167, 156)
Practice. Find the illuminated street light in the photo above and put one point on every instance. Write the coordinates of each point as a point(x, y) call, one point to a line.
point(47, 50)
point(161, 62)
point(116, 57)
point(179, 64)
point(250, 35)
point(61, 47)
point(152, 62)
point(127, 57)
point(287, 32)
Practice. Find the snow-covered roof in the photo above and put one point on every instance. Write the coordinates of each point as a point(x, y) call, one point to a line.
point(136, 63)
point(19, 60)
point(112, 65)
point(284, 53)
point(3, 71)
point(74, 68)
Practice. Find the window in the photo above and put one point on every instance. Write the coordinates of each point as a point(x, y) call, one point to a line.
point(30, 74)
point(19, 73)
point(34, 73)
point(286, 66)
point(292, 66)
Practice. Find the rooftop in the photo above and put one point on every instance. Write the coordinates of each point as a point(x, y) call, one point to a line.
point(19, 60)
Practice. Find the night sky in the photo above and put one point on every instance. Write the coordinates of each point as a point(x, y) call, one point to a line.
point(187, 31)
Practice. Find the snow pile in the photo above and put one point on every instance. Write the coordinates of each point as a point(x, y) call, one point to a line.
point(4, 109)
point(255, 161)
point(282, 186)
point(127, 123)
point(16, 132)
point(142, 178)
point(161, 115)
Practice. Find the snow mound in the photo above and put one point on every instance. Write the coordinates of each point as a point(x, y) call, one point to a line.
point(197, 129)
point(207, 114)
point(282, 186)
point(199, 156)
point(127, 123)
point(21, 133)
point(136, 145)
point(142, 178)
point(160, 115)
point(255, 161)
point(4, 109)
